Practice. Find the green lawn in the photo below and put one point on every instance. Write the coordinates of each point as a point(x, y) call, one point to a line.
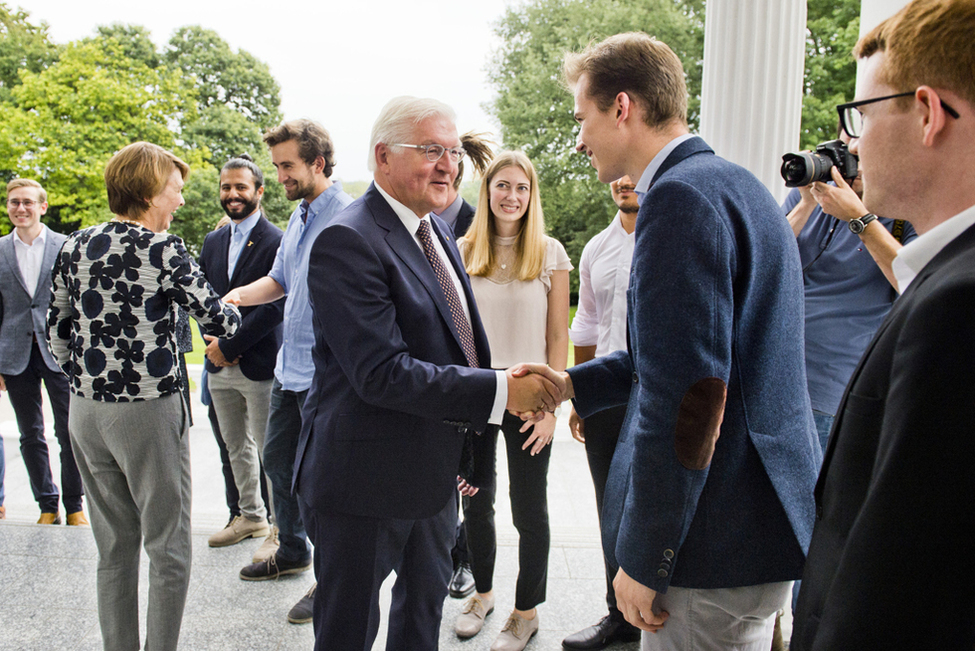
point(196, 357)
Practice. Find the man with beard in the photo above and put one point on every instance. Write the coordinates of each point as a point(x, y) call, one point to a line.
point(599, 328)
point(240, 371)
point(304, 156)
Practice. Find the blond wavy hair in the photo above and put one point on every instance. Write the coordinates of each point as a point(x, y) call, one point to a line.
point(530, 243)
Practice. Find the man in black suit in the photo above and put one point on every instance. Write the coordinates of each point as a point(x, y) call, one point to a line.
point(402, 381)
point(890, 565)
point(241, 370)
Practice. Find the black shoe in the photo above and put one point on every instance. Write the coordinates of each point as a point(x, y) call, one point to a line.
point(600, 635)
point(302, 611)
point(272, 568)
point(462, 582)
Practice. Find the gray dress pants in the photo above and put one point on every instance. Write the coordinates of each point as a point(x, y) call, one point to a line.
point(134, 459)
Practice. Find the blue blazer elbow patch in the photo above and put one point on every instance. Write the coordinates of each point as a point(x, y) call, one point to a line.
point(699, 422)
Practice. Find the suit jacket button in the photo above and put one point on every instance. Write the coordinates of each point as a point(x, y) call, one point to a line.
point(662, 573)
point(636, 379)
point(668, 553)
point(819, 512)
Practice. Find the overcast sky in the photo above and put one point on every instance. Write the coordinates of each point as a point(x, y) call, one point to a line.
point(336, 62)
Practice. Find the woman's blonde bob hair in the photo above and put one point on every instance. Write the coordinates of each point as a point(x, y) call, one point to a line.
point(530, 242)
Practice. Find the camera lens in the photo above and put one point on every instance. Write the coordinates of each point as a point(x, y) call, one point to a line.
point(805, 168)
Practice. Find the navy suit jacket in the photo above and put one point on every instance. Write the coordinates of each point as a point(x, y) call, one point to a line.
point(698, 498)
point(259, 337)
point(894, 497)
point(23, 316)
point(392, 398)
point(464, 218)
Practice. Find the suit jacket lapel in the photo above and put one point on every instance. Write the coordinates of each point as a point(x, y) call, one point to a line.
point(252, 240)
point(51, 250)
point(963, 241)
point(406, 248)
point(9, 257)
point(217, 262)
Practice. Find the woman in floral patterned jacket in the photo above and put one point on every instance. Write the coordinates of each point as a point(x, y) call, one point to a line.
point(116, 289)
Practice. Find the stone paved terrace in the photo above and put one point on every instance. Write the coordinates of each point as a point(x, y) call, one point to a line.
point(47, 574)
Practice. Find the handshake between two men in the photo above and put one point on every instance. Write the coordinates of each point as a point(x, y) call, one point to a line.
point(534, 389)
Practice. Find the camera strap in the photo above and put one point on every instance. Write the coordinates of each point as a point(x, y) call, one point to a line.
point(897, 230)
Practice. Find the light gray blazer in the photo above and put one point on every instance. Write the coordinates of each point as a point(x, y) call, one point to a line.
point(23, 316)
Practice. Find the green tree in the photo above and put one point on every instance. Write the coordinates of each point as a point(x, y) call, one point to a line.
point(134, 40)
point(535, 111)
point(832, 29)
point(239, 99)
point(237, 80)
point(68, 119)
point(23, 46)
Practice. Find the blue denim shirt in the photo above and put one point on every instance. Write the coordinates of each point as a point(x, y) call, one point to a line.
point(294, 368)
point(846, 299)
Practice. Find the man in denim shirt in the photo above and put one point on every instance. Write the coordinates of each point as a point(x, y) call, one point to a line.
point(303, 154)
point(847, 282)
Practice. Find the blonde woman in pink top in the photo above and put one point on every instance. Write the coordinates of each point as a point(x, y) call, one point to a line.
point(520, 279)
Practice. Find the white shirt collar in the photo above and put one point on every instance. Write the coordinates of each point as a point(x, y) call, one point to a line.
point(407, 216)
point(38, 241)
point(916, 255)
point(644, 184)
point(247, 224)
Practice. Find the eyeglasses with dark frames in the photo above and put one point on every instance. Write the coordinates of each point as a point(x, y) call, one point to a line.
point(436, 152)
point(852, 120)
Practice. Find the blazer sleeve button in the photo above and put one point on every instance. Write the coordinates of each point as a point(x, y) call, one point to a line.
point(662, 573)
point(636, 379)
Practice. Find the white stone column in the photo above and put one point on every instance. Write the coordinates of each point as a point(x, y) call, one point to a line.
point(751, 104)
point(872, 13)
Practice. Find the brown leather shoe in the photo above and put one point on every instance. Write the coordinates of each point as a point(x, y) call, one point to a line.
point(3, 512)
point(78, 519)
point(49, 518)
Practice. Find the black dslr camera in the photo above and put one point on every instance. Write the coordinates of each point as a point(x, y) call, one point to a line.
point(805, 168)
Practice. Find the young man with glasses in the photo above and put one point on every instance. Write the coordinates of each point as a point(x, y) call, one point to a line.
point(890, 564)
point(27, 256)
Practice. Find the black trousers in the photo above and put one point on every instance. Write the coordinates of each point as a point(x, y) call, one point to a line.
point(24, 390)
point(527, 489)
point(602, 431)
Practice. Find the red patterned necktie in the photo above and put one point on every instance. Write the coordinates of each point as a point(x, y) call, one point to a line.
point(450, 292)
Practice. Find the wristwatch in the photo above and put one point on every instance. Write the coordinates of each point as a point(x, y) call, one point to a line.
point(857, 225)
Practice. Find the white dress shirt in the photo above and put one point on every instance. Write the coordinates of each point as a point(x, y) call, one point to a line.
point(30, 257)
point(604, 275)
point(916, 255)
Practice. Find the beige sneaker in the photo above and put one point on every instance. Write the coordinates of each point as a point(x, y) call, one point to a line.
point(471, 620)
point(516, 633)
point(269, 547)
point(238, 529)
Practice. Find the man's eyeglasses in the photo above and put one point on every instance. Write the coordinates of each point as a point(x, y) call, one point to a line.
point(436, 152)
point(16, 203)
point(852, 120)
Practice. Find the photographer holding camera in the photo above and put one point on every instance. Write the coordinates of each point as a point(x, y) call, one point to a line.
point(846, 255)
